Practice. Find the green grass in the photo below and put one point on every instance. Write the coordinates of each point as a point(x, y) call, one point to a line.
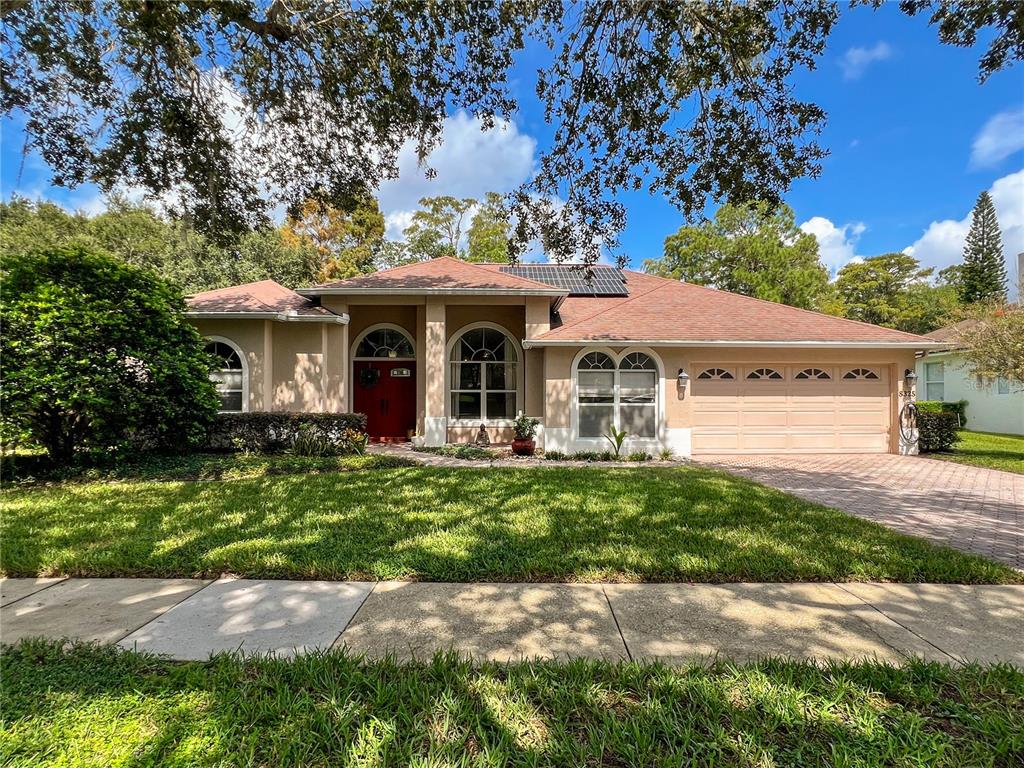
point(36, 469)
point(987, 449)
point(466, 524)
point(99, 706)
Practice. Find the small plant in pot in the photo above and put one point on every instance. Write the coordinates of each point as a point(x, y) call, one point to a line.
point(523, 432)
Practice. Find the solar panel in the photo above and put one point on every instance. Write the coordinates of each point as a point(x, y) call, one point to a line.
point(578, 280)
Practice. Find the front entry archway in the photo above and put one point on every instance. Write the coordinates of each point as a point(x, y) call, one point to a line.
point(384, 382)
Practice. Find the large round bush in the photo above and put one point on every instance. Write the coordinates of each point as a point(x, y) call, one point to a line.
point(97, 356)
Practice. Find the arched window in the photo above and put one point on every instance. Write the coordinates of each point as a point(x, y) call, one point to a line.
point(385, 342)
point(484, 375)
point(813, 373)
point(715, 373)
point(229, 377)
point(624, 396)
point(860, 373)
point(764, 374)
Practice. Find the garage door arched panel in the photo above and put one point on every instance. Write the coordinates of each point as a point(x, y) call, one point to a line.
point(823, 413)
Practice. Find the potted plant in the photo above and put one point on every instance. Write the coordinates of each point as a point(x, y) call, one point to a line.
point(523, 431)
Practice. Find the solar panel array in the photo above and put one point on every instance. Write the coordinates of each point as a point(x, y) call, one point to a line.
point(579, 281)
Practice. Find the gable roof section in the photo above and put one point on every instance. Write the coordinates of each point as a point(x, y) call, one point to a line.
point(443, 275)
point(951, 333)
point(264, 299)
point(663, 311)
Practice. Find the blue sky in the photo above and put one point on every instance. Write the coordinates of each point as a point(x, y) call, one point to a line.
point(913, 138)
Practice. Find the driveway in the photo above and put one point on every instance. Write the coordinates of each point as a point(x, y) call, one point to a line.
point(970, 508)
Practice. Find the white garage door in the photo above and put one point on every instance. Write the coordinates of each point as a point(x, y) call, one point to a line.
point(790, 409)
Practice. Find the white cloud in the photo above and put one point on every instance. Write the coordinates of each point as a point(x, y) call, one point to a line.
point(469, 162)
point(942, 243)
point(1000, 137)
point(856, 60)
point(836, 245)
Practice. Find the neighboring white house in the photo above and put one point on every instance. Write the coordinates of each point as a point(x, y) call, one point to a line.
point(994, 405)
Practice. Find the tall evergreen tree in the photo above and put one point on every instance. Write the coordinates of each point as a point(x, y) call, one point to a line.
point(983, 275)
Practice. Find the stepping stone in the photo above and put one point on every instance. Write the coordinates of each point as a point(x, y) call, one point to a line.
point(282, 618)
point(499, 622)
point(16, 589)
point(100, 610)
point(677, 623)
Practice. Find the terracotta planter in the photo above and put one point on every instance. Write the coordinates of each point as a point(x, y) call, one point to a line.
point(523, 447)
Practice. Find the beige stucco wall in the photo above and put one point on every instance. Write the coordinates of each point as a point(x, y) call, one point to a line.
point(304, 378)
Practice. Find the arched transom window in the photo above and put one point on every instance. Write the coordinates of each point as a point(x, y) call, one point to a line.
point(764, 374)
point(229, 377)
point(860, 373)
point(715, 373)
point(624, 396)
point(385, 342)
point(813, 373)
point(484, 375)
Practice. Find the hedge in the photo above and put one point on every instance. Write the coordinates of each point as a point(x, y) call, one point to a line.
point(263, 432)
point(937, 431)
point(938, 406)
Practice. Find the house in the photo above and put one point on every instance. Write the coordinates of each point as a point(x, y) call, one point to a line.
point(993, 405)
point(438, 348)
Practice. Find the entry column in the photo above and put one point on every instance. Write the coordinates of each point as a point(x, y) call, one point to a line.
point(435, 425)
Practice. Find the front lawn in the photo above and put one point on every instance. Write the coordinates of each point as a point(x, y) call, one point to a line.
point(438, 524)
point(987, 449)
point(99, 706)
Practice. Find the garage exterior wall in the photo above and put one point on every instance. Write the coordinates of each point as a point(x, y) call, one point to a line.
point(676, 403)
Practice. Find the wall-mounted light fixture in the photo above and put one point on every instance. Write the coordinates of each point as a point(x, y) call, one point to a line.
point(909, 378)
point(683, 377)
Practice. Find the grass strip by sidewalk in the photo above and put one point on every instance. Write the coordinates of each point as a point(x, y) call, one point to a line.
point(100, 706)
point(438, 524)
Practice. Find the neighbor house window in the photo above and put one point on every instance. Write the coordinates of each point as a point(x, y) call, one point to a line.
point(624, 396)
point(934, 381)
point(1002, 385)
point(385, 342)
point(229, 377)
point(484, 375)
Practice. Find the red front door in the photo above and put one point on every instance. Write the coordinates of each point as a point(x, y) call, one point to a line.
point(385, 391)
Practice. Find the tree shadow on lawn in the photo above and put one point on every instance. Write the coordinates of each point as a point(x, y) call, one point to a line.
point(465, 525)
point(101, 705)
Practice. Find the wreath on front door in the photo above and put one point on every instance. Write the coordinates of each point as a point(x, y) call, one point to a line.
point(368, 378)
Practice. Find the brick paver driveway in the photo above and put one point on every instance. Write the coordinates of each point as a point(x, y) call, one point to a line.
point(970, 508)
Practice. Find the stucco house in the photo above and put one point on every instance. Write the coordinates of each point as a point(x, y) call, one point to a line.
point(438, 348)
point(993, 405)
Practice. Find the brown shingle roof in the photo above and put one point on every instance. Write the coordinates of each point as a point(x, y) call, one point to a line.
point(441, 274)
point(951, 333)
point(263, 297)
point(662, 310)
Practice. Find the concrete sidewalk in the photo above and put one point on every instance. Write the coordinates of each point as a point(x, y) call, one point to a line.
point(190, 619)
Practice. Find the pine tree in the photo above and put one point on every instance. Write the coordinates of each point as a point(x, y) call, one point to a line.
point(983, 275)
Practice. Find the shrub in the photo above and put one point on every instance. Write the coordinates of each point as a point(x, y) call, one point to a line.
point(556, 456)
point(937, 431)
point(525, 427)
point(666, 454)
point(937, 406)
point(267, 432)
point(459, 451)
point(98, 356)
point(639, 456)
